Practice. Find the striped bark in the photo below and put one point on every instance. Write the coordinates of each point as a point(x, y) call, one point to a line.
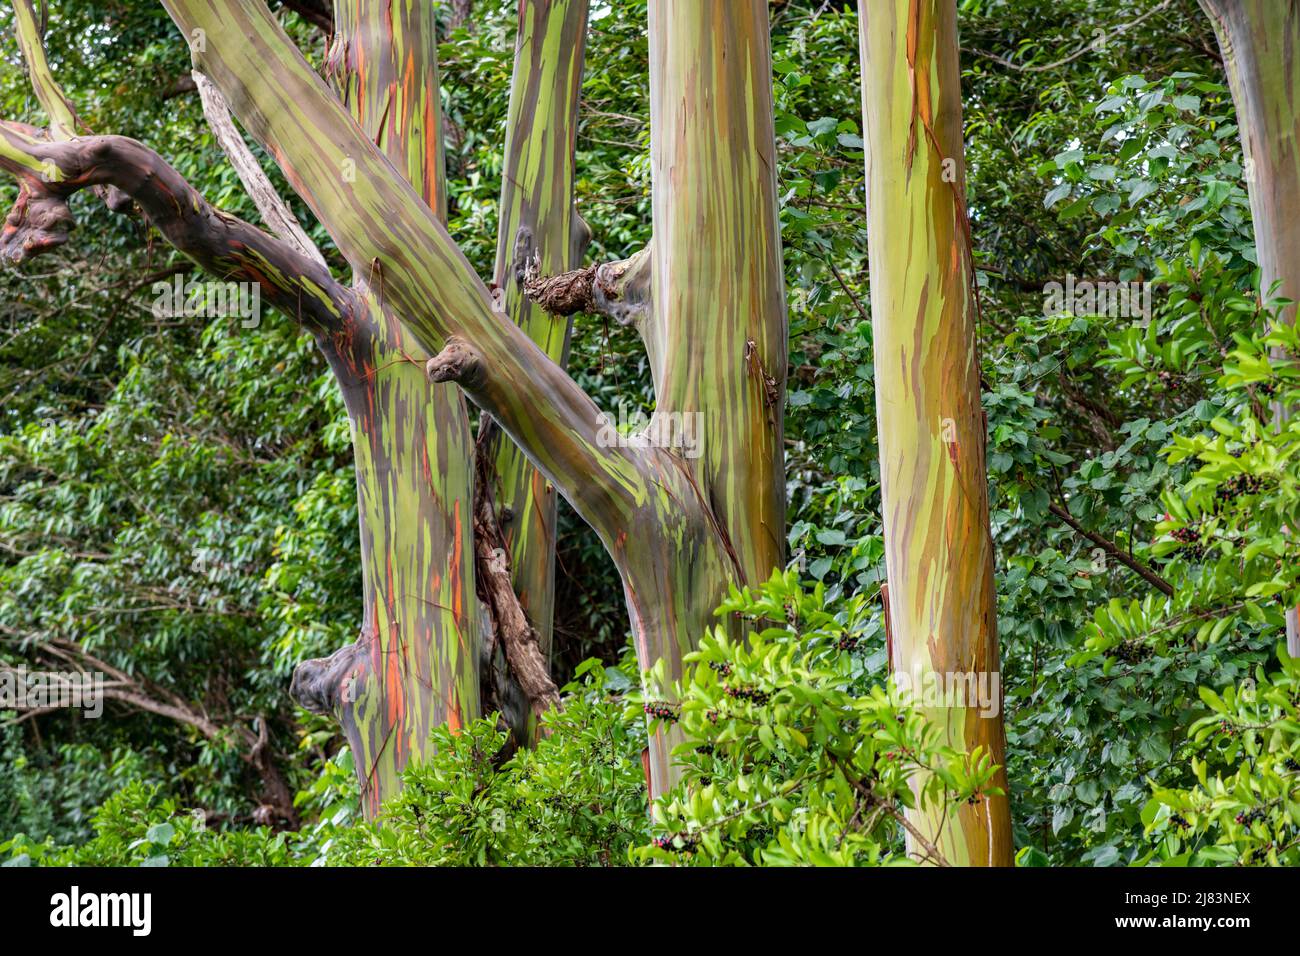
point(415, 664)
point(938, 550)
point(539, 230)
point(1259, 40)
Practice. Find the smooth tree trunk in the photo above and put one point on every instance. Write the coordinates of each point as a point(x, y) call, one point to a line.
point(1259, 40)
point(938, 549)
point(416, 662)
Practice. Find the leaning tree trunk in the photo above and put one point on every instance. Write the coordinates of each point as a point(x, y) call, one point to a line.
point(1259, 40)
point(938, 550)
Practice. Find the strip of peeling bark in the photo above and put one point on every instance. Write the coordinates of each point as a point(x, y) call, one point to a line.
point(517, 636)
point(277, 215)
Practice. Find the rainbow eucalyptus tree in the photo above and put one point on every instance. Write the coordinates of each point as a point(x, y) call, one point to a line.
point(1259, 40)
point(425, 633)
point(940, 602)
point(689, 505)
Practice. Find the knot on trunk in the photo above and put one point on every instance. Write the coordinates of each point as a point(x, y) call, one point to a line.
point(565, 294)
point(39, 221)
point(322, 684)
point(458, 362)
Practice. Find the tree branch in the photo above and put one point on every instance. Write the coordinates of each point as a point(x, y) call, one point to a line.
point(387, 233)
point(1113, 550)
point(226, 247)
point(63, 121)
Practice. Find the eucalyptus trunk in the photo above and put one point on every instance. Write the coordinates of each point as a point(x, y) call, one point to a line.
point(538, 231)
point(1259, 40)
point(416, 662)
point(925, 313)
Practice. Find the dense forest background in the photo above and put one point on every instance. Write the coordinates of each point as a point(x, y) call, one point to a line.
point(177, 500)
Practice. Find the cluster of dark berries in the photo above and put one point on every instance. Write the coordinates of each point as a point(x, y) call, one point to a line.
point(1249, 817)
point(1131, 652)
point(747, 693)
point(846, 643)
point(1267, 389)
point(1190, 539)
point(721, 667)
point(677, 842)
point(1227, 729)
point(1292, 765)
point(705, 749)
point(1180, 821)
point(1239, 485)
point(712, 716)
point(1260, 854)
point(1169, 380)
point(661, 710)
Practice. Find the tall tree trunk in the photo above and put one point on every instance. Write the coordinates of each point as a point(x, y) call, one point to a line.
point(938, 550)
point(715, 332)
point(1259, 40)
point(415, 664)
point(538, 231)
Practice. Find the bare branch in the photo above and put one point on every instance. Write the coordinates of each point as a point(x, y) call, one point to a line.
point(229, 248)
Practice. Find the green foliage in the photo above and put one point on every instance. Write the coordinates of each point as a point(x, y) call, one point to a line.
point(177, 498)
point(577, 799)
point(1244, 808)
point(796, 753)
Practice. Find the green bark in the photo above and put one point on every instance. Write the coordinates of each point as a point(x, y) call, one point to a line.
point(938, 551)
point(716, 331)
point(415, 664)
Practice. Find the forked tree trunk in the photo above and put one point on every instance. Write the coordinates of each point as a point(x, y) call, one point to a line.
point(1260, 41)
point(938, 550)
point(692, 504)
